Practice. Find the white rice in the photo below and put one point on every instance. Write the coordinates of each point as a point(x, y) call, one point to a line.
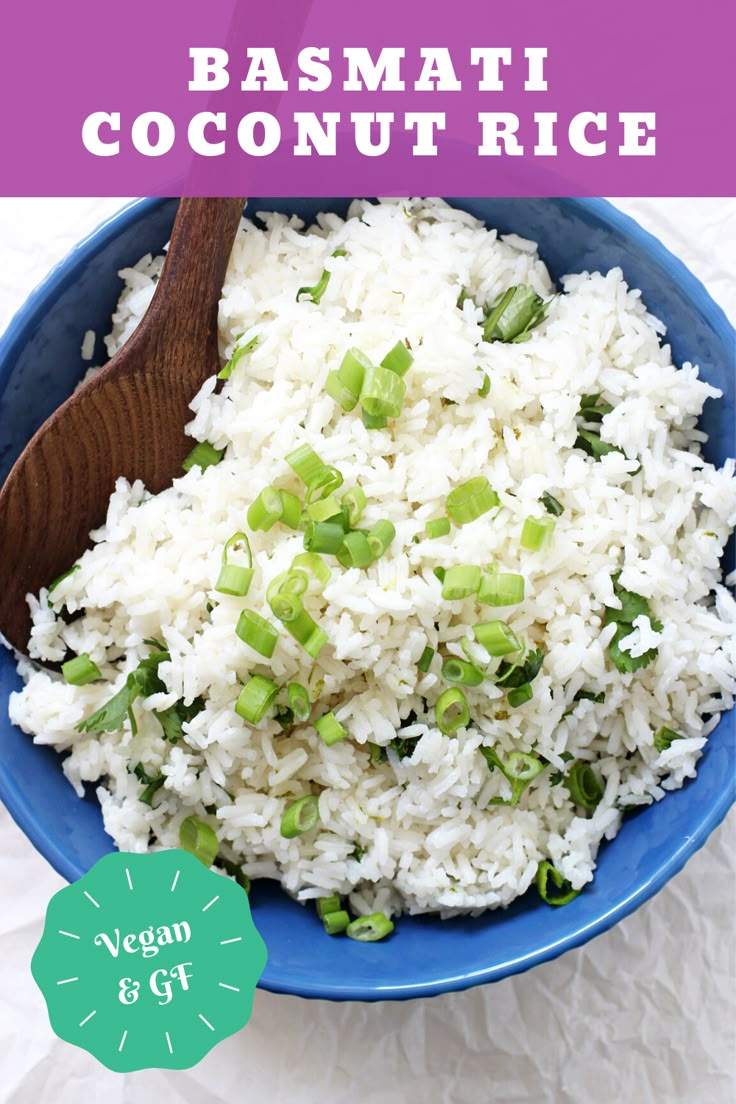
point(429, 837)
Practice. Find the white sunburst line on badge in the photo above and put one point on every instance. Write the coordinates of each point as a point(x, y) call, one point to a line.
point(84, 1021)
point(205, 1021)
point(176, 879)
point(168, 1040)
point(122, 1041)
point(66, 981)
point(91, 898)
point(70, 934)
point(217, 898)
point(237, 939)
point(224, 986)
point(127, 875)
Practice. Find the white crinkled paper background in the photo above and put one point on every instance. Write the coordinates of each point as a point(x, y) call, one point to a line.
point(645, 1014)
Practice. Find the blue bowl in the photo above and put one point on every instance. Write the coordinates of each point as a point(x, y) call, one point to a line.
point(40, 365)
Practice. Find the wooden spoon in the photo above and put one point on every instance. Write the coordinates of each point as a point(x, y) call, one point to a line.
point(127, 420)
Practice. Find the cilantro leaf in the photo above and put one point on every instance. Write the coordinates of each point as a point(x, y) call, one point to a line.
point(141, 682)
point(632, 606)
point(624, 661)
point(510, 675)
point(173, 719)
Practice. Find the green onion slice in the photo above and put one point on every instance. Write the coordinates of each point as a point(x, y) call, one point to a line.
point(315, 293)
point(369, 929)
point(265, 510)
point(323, 509)
point(425, 660)
point(344, 384)
point(203, 456)
point(485, 387)
point(536, 534)
point(300, 816)
point(198, 838)
point(299, 702)
point(60, 578)
point(460, 582)
point(664, 737)
point(459, 670)
point(356, 550)
point(330, 729)
point(383, 392)
point(562, 893)
point(238, 353)
point(323, 536)
point(583, 785)
point(233, 578)
point(398, 359)
point(80, 670)
point(500, 588)
point(437, 527)
point(336, 922)
point(310, 561)
point(471, 499)
point(257, 633)
point(329, 904)
point(380, 537)
point(451, 711)
point(497, 638)
point(307, 632)
point(514, 314)
point(256, 698)
point(356, 502)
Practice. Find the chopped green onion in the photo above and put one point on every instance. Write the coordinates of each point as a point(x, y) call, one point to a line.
point(536, 534)
point(470, 500)
point(199, 840)
point(236, 871)
point(307, 632)
point(233, 579)
point(551, 504)
point(356, 550)
point(315, 293)
point(203, 456)
point(330, 729)
point(383, 392)
point(514, 314)
point(239, 351)
point(153, 786)
point(336, 922)
point(305, 463)
point(80, 670)
point(310, 561)
point(437, 527)
point(485, 387)
point(425, 660)
point(60, 578)
point(380, 537)
point(356, 503)
point(329, 904)
point(377, 753)
point(439, 573)
point(256, 699)
point(398, 359)
point(265, 510)
point(583, 785)
point(519, 769)
point(299, 817)
point(459, 670)
point(257, 633)
point(285, 606)
point(344, 384)
point(460, 582)
point(369, 929)
point(299, 702)
point(291, 509)
point(371, 421)
point(520, 695)
point(500, 588)
point(547, 873)
point(497, 638)
point(323, 536)
point(451, 711)
point(663, 738)
point(323, 509)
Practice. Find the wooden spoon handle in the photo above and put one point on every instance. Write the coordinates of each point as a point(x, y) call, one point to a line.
point(183, 312)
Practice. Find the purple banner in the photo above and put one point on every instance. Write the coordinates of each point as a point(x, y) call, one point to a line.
point(172, 97)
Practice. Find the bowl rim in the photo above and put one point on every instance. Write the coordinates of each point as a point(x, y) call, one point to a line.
point(709, 818)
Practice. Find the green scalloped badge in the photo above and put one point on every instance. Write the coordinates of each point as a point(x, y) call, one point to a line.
point(149, 960)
